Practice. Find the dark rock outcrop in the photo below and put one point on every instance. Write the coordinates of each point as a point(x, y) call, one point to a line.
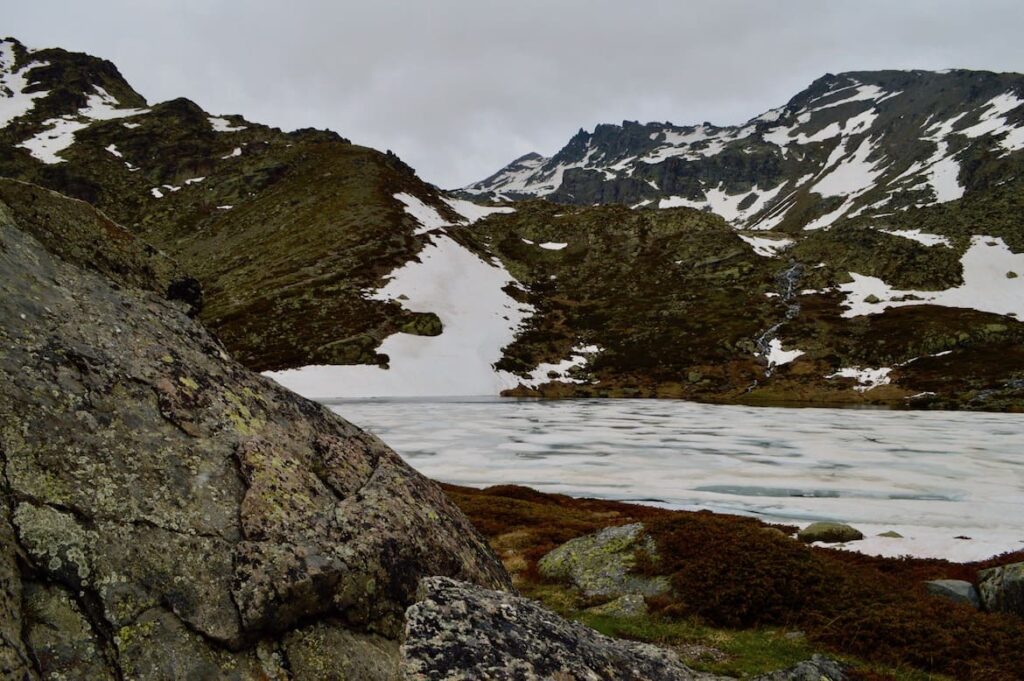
point(165, 512)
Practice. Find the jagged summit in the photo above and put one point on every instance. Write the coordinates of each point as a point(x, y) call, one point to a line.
point(862, 142)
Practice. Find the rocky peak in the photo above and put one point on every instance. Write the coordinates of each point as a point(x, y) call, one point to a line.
point(855, 143)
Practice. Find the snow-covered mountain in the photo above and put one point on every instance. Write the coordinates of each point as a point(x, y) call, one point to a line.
point(863, 143)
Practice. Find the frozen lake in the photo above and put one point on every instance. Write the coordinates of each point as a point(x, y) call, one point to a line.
point(952, 483)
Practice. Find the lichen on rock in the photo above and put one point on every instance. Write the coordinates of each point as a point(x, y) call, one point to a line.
point(172, 512)
point(604, 563)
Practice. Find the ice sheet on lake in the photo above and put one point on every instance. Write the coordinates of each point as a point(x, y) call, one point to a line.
point(930, 476)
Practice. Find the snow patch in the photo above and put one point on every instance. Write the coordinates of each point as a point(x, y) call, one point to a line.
point(986, 286)
point(47, 145)
point(427, 216)
point(767, 247)
point(866, 378)
point(471, 212)
point(14, 101)
point(547, 372)
point(478, 317)
point(553, 245)
point(223, 125)
point(777, 356)
point(993, 121)
point(852, 176)
point(920, 237)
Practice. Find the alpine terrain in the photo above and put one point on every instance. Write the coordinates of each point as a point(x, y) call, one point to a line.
point(862, 243)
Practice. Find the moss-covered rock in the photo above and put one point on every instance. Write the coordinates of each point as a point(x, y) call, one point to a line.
point(604, 564)
point(1002, 588)
point(830, 533)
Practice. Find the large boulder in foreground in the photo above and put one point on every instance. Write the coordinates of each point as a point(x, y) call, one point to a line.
point(604, 563)
point(462, 631)
point(167, 514)
point(1002, 588)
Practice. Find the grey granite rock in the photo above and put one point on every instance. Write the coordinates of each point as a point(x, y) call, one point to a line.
point(955, 590)
point(1002, 588)
point(175, 515)
point(832, 533)
point(459, 631)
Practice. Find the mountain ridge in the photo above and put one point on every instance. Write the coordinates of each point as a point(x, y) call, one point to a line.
point(767, 160)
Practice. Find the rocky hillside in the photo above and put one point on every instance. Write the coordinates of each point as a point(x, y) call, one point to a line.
point(864, 243)
point(283, 230)
point(861, 143)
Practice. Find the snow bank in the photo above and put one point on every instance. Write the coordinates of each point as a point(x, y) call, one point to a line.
point(479, 320)
point(427, 216)
point(766, 247)
point(920, 237)
point(866, 378)
point(223, 125)
point(986, 287)
point(547, 372)
point(777, 356)
point(47, 145)
point(472, 212)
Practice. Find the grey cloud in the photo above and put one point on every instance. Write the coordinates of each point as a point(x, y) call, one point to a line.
point(460, 87)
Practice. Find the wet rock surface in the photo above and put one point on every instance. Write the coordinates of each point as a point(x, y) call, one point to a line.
point(461, 631)
point(165, 512)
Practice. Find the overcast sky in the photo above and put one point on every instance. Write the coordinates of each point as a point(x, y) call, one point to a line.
point(458, 88)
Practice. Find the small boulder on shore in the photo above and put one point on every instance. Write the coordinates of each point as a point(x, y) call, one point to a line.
point(831, 533)
point(955, 590)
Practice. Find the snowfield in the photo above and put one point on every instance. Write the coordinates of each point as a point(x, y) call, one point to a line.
point(467, 294)
point(14, 101)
